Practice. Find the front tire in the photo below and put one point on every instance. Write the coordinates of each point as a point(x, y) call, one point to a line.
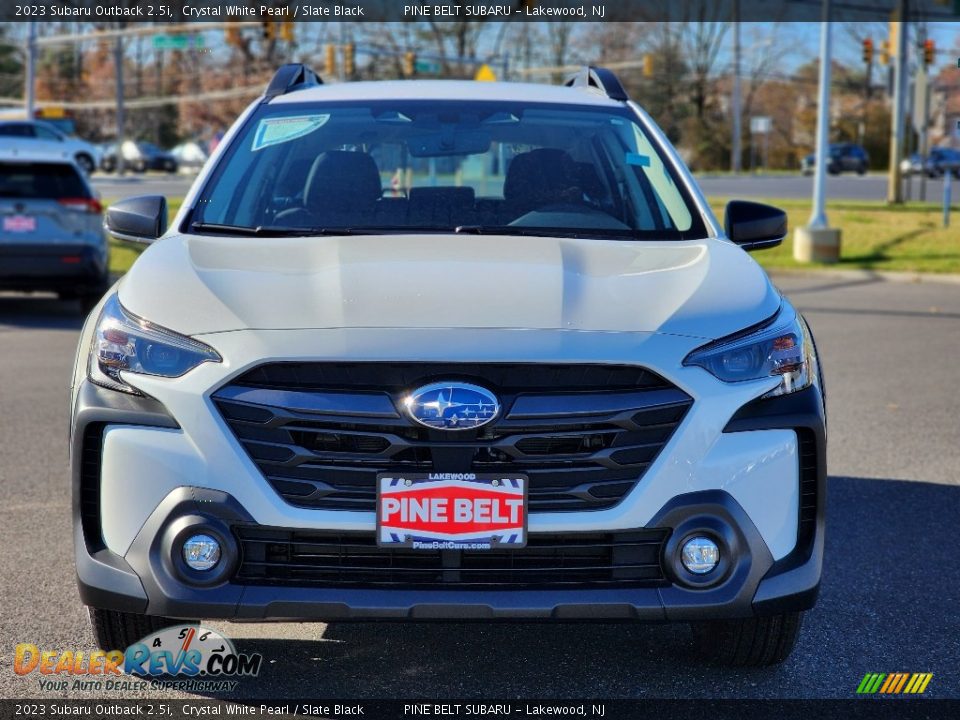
point(751, 642)
point(113, 630)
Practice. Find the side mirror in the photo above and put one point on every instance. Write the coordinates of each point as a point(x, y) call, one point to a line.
point(754, 226)
point(138, 219)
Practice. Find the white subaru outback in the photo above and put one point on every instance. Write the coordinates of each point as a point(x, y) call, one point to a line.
point(435, 350)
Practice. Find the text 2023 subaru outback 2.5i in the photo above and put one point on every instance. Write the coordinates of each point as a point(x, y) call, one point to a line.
point(435, 350)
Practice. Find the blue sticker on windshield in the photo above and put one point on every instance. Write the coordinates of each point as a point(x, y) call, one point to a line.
point(638, 159)
point(276, 130)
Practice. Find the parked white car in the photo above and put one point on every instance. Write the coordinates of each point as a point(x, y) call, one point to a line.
point(190, 156)
point(14, 132)
point(434, 350)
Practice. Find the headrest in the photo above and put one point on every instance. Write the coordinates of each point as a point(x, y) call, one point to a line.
point(539, 177)
point(340, 179)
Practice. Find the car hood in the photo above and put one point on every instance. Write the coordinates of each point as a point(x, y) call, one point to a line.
point(197, 285)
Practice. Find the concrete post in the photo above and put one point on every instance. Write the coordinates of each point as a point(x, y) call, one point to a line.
point(817, 242)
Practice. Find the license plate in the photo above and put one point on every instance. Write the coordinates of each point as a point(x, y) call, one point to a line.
point(451, 511)
point(19, 223)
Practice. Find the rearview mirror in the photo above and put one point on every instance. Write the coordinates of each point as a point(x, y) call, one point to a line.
point(754, 226)
point(138, 219)
point(450, 142)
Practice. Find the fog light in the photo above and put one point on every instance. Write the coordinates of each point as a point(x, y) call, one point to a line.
point(201, 552)
point(700, 555)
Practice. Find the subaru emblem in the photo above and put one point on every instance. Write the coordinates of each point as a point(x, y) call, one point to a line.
point(452, 406)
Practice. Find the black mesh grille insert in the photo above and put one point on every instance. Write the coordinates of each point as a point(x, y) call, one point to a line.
point(504, 378)
point(807, 443)
point(320, 432)
point(275, 556)
point(90, 462)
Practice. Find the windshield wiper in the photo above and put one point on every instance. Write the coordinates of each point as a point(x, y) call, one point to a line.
point(536, 231)
point(269, 230)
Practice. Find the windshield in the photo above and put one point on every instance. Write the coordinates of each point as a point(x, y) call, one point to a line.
point(396, 166)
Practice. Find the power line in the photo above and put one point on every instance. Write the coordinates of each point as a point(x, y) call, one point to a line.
point(231, 94)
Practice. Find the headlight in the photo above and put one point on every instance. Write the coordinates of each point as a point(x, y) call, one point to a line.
point(124, 342)
point(783, 348)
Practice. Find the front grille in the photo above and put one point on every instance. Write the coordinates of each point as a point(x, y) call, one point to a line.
point(320, 432)
point(508, 378)
point(275, 556)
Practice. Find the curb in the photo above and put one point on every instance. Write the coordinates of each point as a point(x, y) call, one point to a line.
point(876, 275)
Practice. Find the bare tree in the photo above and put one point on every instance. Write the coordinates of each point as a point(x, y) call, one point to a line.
point(703, 41)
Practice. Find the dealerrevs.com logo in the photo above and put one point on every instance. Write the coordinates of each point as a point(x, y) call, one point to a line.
point(183, 657)
point(894, 683)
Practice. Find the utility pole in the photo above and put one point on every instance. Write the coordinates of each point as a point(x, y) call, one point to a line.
point(817, 242)
point(341, 73)
point(894, 186)
point(31, 79)
point(118, 73)
point(735, 105)
point(921, 101)
point(818, 216)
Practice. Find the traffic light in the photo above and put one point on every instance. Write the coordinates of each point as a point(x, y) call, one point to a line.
point(268, 29)
point(348, 60)
point(868, 51)
point(885, 52)
point(330, 66)
point(648, 65)
point(929, 49)
point(286, 31)
point(409, 64)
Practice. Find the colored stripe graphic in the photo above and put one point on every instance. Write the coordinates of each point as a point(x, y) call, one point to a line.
point(871, 683)
point(899, 687)
point(894, 683)
point(918, 683)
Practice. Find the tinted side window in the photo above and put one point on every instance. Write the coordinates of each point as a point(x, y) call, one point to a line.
point(45, 134)
point(16, 130)
point(41, 180)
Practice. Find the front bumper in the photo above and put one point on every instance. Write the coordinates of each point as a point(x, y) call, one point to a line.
point(52, 266)
point(161, 474)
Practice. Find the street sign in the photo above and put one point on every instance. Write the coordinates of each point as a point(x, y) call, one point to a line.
point(177, 42)
point(760, 124)
point(485, 74)
point(427, 67)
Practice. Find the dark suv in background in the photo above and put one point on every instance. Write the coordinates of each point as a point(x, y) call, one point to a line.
point(844, 157)
point(51, 230)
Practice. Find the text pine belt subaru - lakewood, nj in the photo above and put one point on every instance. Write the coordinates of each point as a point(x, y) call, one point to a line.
point(440, 350)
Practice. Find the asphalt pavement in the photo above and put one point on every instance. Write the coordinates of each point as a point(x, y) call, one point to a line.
point(889, 595)
point(746, 186)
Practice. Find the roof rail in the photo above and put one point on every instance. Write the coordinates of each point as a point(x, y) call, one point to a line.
point(601, 79)
point(290, 77)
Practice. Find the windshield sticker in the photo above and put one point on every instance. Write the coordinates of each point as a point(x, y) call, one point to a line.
point(638, 159)
point(273, 131)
